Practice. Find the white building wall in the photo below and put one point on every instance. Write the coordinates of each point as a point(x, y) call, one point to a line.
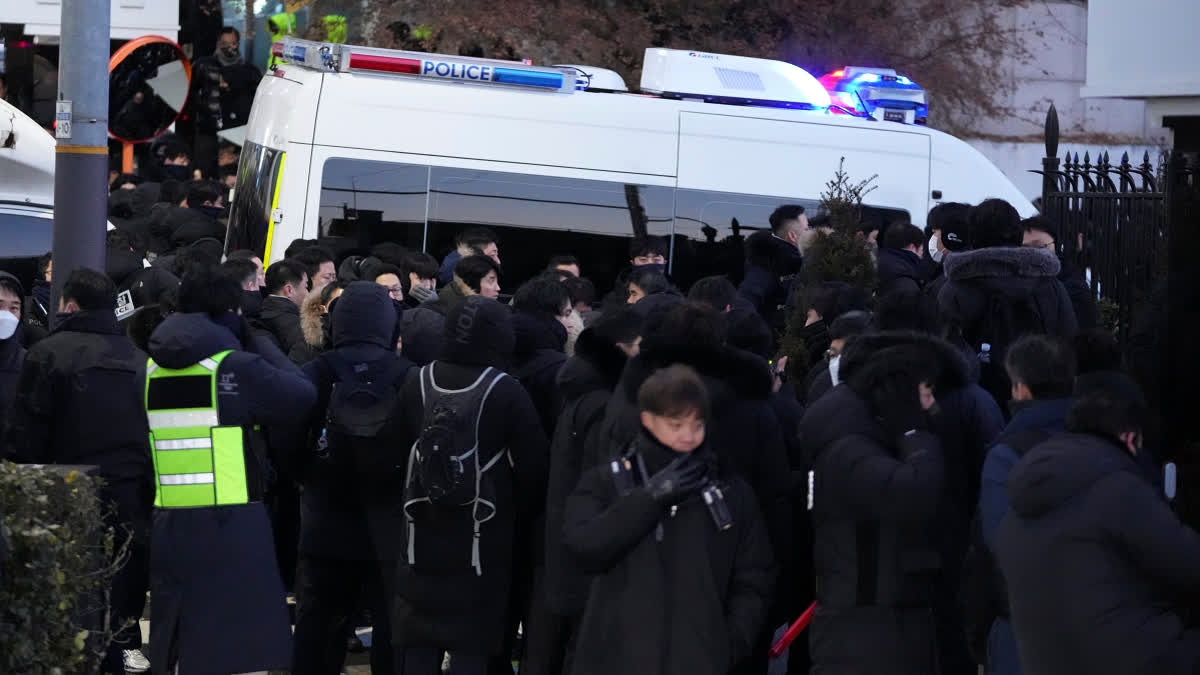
point(130, 18)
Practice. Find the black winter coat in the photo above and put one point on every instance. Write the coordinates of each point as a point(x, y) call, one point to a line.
point(81, 401)
point(772, 265)
point(743, 429)
point(973, 277)
point(1099, 570)
point(281, 318)
point(216, 107)
point(874, 503)
point(12, 354)
point(315, 328)
point(537, 359)
point(421, 329)
point(900, 271)
point(1087, 315)
point(455, 609)
point(691, 602)
point(586, 383)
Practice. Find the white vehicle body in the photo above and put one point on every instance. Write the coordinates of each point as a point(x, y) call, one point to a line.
point(321, 145)
point(26, 185)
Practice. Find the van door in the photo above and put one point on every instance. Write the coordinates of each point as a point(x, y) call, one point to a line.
point(730, 153)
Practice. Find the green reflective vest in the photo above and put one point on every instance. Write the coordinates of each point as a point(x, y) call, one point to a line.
point(197, 462)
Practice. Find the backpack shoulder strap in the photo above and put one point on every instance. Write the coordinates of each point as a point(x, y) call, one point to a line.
point(1023, 441)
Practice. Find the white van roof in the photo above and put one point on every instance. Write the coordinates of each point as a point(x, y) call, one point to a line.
point(26, 159)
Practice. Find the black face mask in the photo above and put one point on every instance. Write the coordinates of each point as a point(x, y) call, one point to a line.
point(661, 268)
point(251, 303)
point(177, 171)
point(213, 212)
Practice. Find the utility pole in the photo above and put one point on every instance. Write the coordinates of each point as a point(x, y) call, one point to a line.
point(81, 127)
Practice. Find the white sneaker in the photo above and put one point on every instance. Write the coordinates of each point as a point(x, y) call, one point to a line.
point(135, 661)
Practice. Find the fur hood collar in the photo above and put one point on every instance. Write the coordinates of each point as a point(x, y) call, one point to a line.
point(596, 365)
point(1002, 261)
point(742, 375)
point(861, 352)
point(310, 321)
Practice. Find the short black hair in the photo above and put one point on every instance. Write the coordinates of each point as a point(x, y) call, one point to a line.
point(298, 245)
point(562, 259)
point(850, 324)
point(210, 291)
point(541, 295)
point(1040, 223)
point(994, 222)
point(91, 290)
point(581, 289)
point(621, 325)
point(312, 258)
point(421, 264)
point(643, 246)
point(473, 268)
point(674, 391)
point(1108, 405)
point(783, 215)
point(174, 149)
point(329, 289)
point(43, 263)
point(390, 252)
point(242, 254)
point(834, 298)
point(241, 269)
point(200, 191)
point(715, 291)
point(225, 30)
point(172, 191)
point(192, 258)
point(902, 235)
point(651, 281)
point(284, 272)
point(377, 270)
point(1043, 363)
point(689, 325)
point(478, 238)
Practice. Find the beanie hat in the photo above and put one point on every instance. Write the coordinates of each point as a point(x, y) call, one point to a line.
point(478, 332)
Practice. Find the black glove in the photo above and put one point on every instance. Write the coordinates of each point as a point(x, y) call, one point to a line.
point(677, 481)
point(897, 404)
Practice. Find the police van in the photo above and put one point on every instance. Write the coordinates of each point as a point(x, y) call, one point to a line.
point(355, 146)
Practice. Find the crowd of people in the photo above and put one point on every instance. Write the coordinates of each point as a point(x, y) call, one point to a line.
point(635, 483)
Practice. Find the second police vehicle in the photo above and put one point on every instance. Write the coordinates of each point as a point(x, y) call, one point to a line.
point(356, 146)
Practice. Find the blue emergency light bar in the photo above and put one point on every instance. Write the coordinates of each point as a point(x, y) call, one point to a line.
point(343, 58)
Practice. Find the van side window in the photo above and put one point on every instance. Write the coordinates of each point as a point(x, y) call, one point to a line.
point(250, 212)
point(539, 216)
point(711, 230)
point(364, 203)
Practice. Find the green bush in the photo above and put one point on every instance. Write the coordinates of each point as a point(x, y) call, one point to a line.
point(53, 604)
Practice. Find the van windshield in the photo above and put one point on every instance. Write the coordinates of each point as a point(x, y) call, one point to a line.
point(253, 195)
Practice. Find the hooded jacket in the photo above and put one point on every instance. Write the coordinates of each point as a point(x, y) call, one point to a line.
point(351, 507)
point(281, 318)
point(772, 265)
point(73, 386)
point(317, 330)
point(586, 382)
point(241, 607)
point(1012, 273)
point(451, 607)
point(421, 328)
point(1099, 570)
point(673, 594)
point(537, 358)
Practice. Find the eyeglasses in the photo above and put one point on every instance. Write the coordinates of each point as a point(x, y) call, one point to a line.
point(396, 292)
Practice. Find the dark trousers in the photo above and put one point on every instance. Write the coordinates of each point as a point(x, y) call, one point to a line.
point(129, 504)
point(328, 592)
point(283, 507)
point(428, 661)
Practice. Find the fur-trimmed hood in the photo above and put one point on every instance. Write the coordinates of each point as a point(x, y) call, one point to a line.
point(732, 374)
point(310, 322)
point(764, 249)
point(596, 365)
point(861, 357)
point(1003, 261)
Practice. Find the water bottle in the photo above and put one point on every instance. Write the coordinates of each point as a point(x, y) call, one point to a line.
point(985, 353)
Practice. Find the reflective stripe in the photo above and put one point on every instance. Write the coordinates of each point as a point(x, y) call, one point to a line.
point(190, 418)
point(187, 479)
point(183, 444)
point(209, 364)
point(151, 367)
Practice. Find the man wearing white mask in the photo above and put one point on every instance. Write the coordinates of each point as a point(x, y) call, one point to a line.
point(948, 225)
point(11, 351)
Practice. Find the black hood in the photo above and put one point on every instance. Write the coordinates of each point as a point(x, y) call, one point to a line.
point(478, 332)
point(183, 340)
point(861, 357)
point(764, 249)
point(1062, 468)
point(838, 413)
point(364, 314)
point(731, 374)
point(596, 365)
point(537, 331)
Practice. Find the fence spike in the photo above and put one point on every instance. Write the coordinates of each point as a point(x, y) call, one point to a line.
point(1106, 157)
point(1125, 158)
point(1087, 160)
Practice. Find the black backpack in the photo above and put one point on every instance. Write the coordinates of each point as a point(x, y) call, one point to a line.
point(983, 593)
point(358, 417)
point(1005, 320)
point(447, 483)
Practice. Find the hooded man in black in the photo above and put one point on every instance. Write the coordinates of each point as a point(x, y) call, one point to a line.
point(773, 260)
point(683, 564)
point(80, 400)
point(12, 353)
point(900, 260)
point(540, 308)
point(875, 485)
point(447, 598)
point(1101, 574)
point(351, 509)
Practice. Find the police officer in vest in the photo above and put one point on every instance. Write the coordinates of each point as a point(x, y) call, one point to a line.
point(212, 389)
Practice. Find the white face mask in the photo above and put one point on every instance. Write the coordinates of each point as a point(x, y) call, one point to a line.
point(8, 324)
point(833, 368)
point(934, 253)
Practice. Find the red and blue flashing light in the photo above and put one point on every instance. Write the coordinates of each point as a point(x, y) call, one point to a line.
point(876, 92)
